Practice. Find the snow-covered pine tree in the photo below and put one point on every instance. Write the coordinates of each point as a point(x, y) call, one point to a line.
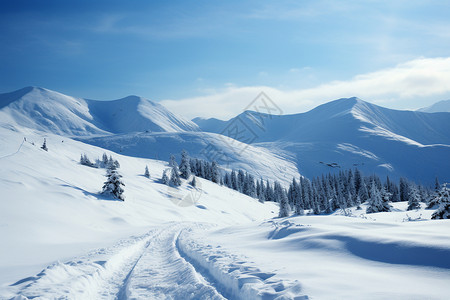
point(113, 184)
point(84, 160)
point(442, 195)
point(44, 145)
point(172, 161)
point(185, 168)
point(443, 212)
point(269, 192)
point(194, 181)
point(262, 191)
point(146, 173)
point(284, 205)
point(175, 176)
point(165, 179)
point(376, 203)
point(413, 197)
point(443, 199)
point(240, 181)
point(105, 161)
point(215, 173)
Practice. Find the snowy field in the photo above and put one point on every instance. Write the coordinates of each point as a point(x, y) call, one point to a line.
point(61, 239)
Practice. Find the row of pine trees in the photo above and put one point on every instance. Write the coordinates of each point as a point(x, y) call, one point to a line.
point(322, 195)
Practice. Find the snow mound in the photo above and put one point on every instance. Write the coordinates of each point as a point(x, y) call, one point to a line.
point(235, 277)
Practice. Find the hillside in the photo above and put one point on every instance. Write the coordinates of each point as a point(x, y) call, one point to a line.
point(350, 132)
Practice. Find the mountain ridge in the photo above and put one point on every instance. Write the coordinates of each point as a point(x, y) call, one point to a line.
point(48, 110)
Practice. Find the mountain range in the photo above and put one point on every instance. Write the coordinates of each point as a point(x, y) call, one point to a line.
point(338, 135)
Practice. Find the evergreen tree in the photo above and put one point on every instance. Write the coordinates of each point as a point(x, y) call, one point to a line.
point(185, 168)
point(172, 161)
point(113, 184)
point(376, 203)
point(194, 181)
point(146, 173)
point(240, 181)
point(44, 145)
point(284, 205)
point(403, 189)
point(413, 198)
point(440, 196)
point(262, 191)
point(105, 161)
point(234, 184)
point(165, 179)
point(443, 212)
point(215, 173)
point(175, 176)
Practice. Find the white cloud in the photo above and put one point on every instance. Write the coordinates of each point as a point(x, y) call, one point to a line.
point(403, 86)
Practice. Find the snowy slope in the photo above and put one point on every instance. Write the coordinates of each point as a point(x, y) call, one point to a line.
point(351, 132)
point(229, 153)
point(54, 112)
point(51, 210)
point(334, 257)
point(441, 106)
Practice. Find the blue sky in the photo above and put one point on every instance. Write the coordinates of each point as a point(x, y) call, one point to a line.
point(208, 57)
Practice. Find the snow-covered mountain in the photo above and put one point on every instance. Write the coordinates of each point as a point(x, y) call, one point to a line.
point(50, 111)
point(350, 132)
point(441, 106)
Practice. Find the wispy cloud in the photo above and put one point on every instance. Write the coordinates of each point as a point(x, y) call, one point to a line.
point(397, 87)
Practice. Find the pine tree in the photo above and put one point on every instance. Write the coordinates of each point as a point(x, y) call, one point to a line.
point(376, 203)
point(105, 161)
point(44, 145)
point(146, 173)
point(185, 168)
point(284, 205)
point(215, 173)
point(113, 184)
point(404, 189)
point(175, 176)
point(441, 196)
point(413, 198)
point(443, 212)
point(165, 179)
point(194, 181)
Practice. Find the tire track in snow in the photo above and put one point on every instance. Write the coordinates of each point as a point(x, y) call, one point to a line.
point(162, 273)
